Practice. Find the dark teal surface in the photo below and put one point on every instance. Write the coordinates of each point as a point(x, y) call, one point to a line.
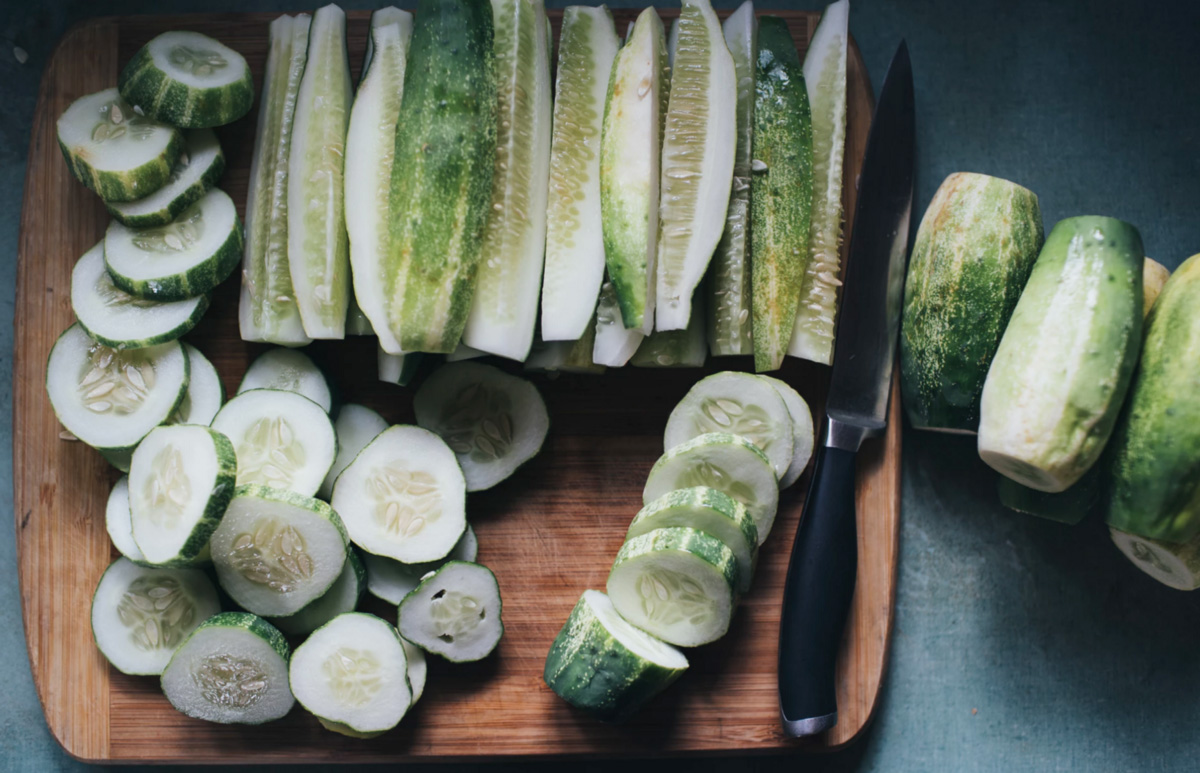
point(1019, 644)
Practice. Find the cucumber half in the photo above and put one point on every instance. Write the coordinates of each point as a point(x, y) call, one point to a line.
point(196, 171)
point(205, 391)
point(291, 371)
point(118, 522)
point(356, 426)
point(802, 430)
point(188, 80)
point(454, 612)
point(343, 596)
point(391, 580)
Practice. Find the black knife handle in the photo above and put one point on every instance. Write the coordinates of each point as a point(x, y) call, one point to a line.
point(817, 595)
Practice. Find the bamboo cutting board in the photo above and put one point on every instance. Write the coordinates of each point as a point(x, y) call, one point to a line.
point(549, 533)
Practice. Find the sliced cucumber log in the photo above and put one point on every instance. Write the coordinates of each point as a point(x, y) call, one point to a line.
point(417, 668)
point(614, 343)
point(1174, 564)
point(205, 391)
point(174, 262)
point(403, 496)
point(188, 80)
point(685, 348)
point(141, 614)
point(605, 666)
point(492, 421)
point(115, 151)
point(197, 170)
point(283, 439)
point(291, 371)
point(399, 369)
point(119, 524)
point(802, 430)
point(678, 584)
point(342, 597)
point(356, 426)
point(454, 612)
point(391, 580)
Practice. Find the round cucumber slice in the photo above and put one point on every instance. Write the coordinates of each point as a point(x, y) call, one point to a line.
point(356, 426)
point(390, 580)
point(187, 257)
point(112, 149)
point(342, 597)
point(802, 430)
point(141, 614)
point(1176, 565)
point(494, 422)
point(189, 80)
point(289, 370)
point(119, 524)
point(205, 392)
point(233, 669)
point(454, 612)
point(197, 170)
point(417, 668)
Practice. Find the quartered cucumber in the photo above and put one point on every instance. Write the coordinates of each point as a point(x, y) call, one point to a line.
point(802, 430)
point(454, 612)
point(188, 80)
point(685, 348)
point(399, 369)
point(614, 343)
point(196, 171)
point(118, 523)
point(1174, 564)
point(291, 371)
point(356, 426)
point(390, 580)
point(141, 614)
point(343, 596)
point(1154, 278)
point(283, 439)
point(205, 392)
point(117, 152)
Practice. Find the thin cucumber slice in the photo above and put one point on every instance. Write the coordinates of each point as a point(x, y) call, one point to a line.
point(283, 439)
point(605, 666)
point(678, 584)
point(267, 310)
point(685, 348)
point(141, 614)
point(391, 580)
point(370, 149)
point(233, 669)
point(615, 344)
point(318, 248)
point(492, 421)
point(454, 612)
point(353, 672)
point(117, 319)
point(399, 369)
point(197, 170)
point(188, 257)
point(802, 430)
point(403, 496)
point(119, 524)
point(188, 80)
point(291, 371)
point(117, 152)
point(111, 398)
point(728, 463)
point(342, 597)
point(739, 403)
point(356, 426)
point(1174, 564)
point(276, 551)
point(417, 668)
point(574, 270)
point(205, 392)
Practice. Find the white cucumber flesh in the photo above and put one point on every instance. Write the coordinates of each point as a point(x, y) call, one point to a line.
point(454, 612)
point(614, 344)
point(118, 521)
point(390, 580)
point(291, 371)
point(1176, 565)
point(356, 425)
point(188, 80)
point(802, 430)
point(342, 597)
point(205, 391)
point(197, 170)
point(399, 369)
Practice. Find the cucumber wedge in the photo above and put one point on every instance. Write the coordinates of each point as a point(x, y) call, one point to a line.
point(802, 430)
point(291, 371)
point(1174, 564)
point(356, 426)
point(454, 612)
point(391, 580)
point(565, 356)
point(342, 597)
point(614, 343)
point(686, 348)
point(399, 369)
point(197, 170)
point(188, 80)
point(118, 522)
point(205, 392)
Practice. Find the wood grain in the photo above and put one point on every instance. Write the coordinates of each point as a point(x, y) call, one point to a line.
point(549, 533)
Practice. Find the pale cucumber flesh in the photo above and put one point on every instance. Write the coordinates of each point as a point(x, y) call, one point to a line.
point(455, 613)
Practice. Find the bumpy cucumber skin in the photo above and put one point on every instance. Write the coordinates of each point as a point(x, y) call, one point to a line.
point(973, 254)
point(433, 576)
point(130, 185)
point(165, 99)
point(197, 280)
point(1155, 490)
point(181, 202)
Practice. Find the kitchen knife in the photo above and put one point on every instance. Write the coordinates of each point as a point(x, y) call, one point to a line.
point(820, 578)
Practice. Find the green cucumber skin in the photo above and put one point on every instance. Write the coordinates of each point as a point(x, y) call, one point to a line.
point(1069, 507)
point(442, 173)
point(165, 99)
point(780, 196)
point(698, 496)
point(177, 205)
point(973, 254)
point(133, 184)
point(247, 622)
point(1155, 484)
point(197, 280)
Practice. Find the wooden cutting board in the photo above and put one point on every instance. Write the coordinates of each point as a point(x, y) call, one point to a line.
point(549, 533)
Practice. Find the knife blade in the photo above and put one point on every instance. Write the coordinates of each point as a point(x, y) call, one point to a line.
point(820, 579)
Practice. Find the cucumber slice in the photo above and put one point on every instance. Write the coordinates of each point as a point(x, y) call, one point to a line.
point(267, 310)
point(205, 391)
point(403, 496)
point(283, 439)
point(233, 669)
point(397, 369)
point(275, 551)
point(802, 430)
point(111, 398)
point(739, 403)
point(454, 612)
point(188, 257)
point(356, 426)
point(180, 481)
point(318, 248)
point(342, 597)
point(196, 171)
point(119, 524)
point(141, 614)
point(117, 319)
point(676, 348)
point(188, 80)
point(697, 161)
point(1174, 564)
point(290, 371)
point(115, 151)
point(492, 421)
point(615, 343)
point(417, 668)
point(391, 580)
point(605, 666)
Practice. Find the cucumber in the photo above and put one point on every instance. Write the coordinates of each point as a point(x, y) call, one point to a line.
point(403, 496)
point(267, 310)
point(391, 580)
point(565, 356)
point(370, 148)
point(120, 154)
point(205, 393)
point(677, 583)
point(973, 253)
point(492, 421)
point(318, 248)
point(117, 319)
point(574, 271)
point(356, 426)
point(1063, 367)
point(343, 596)
point(188, 80)
point(397, 369)
point(232, 669)
point(685, 348)
point(353, 672)
point(455, 612)
point(196, 171)
point(417, 668)
point(630, 144)
point(1176, 565)
point(802, 430)
point(614, 343)
point(1154, 278)
point(141, 614)
point(1070, 506)
point(603, 665)
point(188, 257)
point(119, 458)
point(780, 192)
point(442, 174)
point(464, 352)
point(290, 371)
point(283, 440)
point(118, 522)
point(111, 398)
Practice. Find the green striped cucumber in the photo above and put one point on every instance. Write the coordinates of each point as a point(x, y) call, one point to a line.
point(197, 170)
point(1064, 364)
point(685, 348)
point(1176, 565)
point(1154, 278)
point(973, 253)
